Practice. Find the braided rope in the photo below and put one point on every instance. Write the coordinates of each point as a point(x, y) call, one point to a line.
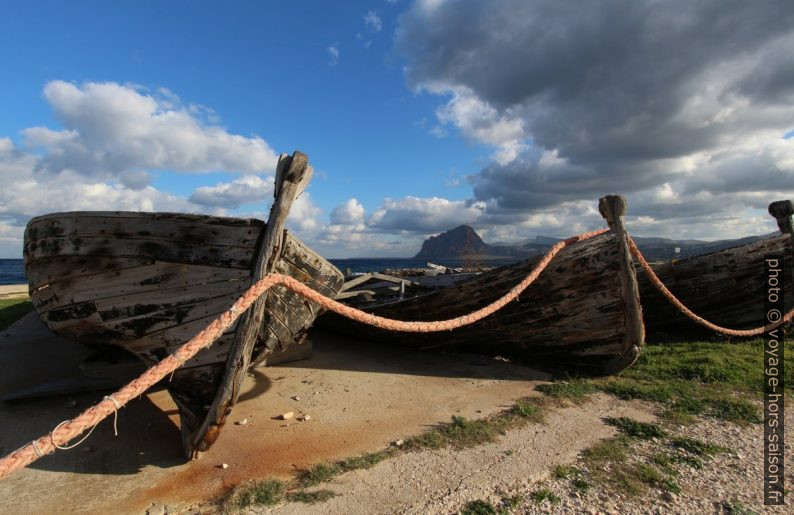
point(757, 331)
point(70, 429)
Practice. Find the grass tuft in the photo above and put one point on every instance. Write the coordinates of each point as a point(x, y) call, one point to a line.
point(257, 493)
point(609, 450)
point(545, 494)
point(636, 429)
point(577, 389)
point(478, 507)
point(319, 473)
point(566, 471)
point(365, 461)
point(697, 447)
point(310, 497)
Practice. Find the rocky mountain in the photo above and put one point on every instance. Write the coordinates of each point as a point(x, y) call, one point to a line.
point(453, 243)
point(463, 240)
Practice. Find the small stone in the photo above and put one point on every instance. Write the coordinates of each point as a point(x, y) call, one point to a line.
point(399, 443)
point(668, 496)
point(296, 398)
point(157, 509)
point(242, 422)
point(286, 416)
point(223, 466)
point(71, 403)
point(305, 418)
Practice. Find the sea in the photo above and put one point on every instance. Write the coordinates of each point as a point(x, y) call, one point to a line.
point(12, 271)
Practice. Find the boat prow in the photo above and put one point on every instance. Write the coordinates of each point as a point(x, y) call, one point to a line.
point(148, 282)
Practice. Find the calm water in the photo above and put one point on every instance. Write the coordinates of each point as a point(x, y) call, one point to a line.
point(12, 271)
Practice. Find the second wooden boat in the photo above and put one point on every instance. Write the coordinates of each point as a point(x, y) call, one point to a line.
point(582, 314)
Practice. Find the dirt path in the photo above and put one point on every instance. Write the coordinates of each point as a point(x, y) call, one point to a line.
point(442, 481)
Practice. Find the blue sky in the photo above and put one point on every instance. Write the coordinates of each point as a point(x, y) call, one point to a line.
point(417, 116)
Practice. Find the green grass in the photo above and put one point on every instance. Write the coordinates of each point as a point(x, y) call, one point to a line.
point(636, 429)
point(459, 433)
point(478, 507)
point(716, 380)
point(269, 492)
point(365, 461)
point(576, 389)
point(320, 473)
point(257, 493)
point(565, 471)
point(611, 450)
point(310, 497)
point(12, 310)
point(581, 485)
point(697, 447)
point(544, 494)
point(608, 464)
point(511, 503)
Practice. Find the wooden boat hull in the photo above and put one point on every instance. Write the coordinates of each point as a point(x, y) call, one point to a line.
point(725, 287)
point(572, 318)
point(148, 282)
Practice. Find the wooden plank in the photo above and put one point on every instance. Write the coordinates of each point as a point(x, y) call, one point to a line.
point(355, 282)
point(191, 253)
point(148, 226)
point(159, 280)
point(354, 293)
point(58, 268)
point(187, 217)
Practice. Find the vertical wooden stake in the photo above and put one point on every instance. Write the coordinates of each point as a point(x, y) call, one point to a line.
point(781, 211)
point(292, 175)
point(613, 208)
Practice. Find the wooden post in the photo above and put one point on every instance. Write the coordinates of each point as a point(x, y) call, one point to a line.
point(292, 175)
point(613, 208)
point(781, 211)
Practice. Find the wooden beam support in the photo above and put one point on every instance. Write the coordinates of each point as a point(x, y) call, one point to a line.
point(293, 174)
point(613, 209)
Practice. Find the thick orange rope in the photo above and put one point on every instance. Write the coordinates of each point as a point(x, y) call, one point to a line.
point(88, 419)
point(686, 311)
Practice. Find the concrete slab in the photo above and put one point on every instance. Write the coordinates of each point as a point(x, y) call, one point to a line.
point(360, 397)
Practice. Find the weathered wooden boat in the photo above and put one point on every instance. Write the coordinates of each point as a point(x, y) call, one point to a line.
point(727, 287)
point(581, 315)
point(148, 282)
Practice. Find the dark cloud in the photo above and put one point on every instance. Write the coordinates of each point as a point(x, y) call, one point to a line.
point(614, 96)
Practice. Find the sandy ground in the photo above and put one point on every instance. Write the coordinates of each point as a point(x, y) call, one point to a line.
point(360, 398)
point(13, 291)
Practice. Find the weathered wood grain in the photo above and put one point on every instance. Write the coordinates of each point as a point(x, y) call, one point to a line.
point(613, 208)
point(151, 226)
point(226, 256)
point(725, 287)
point(571, 318)
point(148, 282)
